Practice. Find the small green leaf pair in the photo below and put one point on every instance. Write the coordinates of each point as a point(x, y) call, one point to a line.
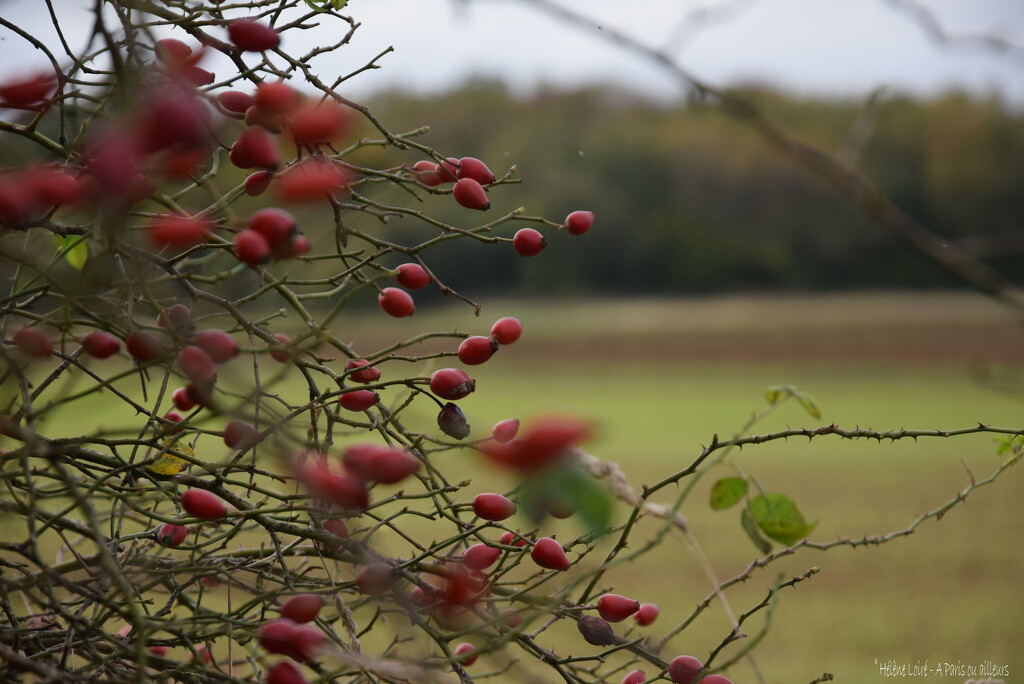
point(769, 515)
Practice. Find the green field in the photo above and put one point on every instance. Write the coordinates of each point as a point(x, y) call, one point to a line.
point(948, 593)
point(661, 377)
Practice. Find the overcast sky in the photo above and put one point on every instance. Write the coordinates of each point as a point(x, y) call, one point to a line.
point(833, 47)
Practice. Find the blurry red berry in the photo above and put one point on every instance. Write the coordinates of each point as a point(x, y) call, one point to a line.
point(181, 400)
point(158, 651)
point(427, 172)
point(685, 669)
point(448, 170)
point(470, 167)
point(240, 435)
point(493, 507)
point(470, 194)
point(256, 184)
point(647, 614)
point(33, 342)
point(367, 373)
point(579, 222)
point(284, 672)
point(451, 384)
point(390, 465)
point(314, 180)
point(715, 679)
point(506, 330)
point(279, 353)
point(277, 97)
point(203, 504)
point(634, 677)
point(528, 242)
point(546, 440)
point(615, 608)
point(466, 653)
point(347, 491)
point(171, 535)
point(396, 302)
point(547, 553)
point(172, 50)
point(420, 598)
point(511, 539)
point(412, 276)
point(302, 608)
point(235, 101)
point(27, 91)
point(173, 231)
point(175, 418)
point(177, 318)
point(277, 227)
point(337, 527)
point(300, 246)
point(197, 365)
point(218, 344)
point(476, 350)
point(480, 556)
point(275, 636)
point(375, 579)
point(273, 123)
point(255, 148)
point(316, 124)
point(505, 430)
point(251, 248)
point(358, 400)
point(144, 346)
point(250, 35)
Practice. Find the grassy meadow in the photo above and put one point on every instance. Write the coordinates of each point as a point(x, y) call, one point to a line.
point(661, 377)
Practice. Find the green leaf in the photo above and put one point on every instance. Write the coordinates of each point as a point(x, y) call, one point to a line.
point(750, 527)
point(777, 393)
point(569, 487)
point(727, 492)
point(74, 249)
point(319, 7)
point(779, 518)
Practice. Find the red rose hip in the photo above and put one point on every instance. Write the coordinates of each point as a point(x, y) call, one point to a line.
point(203, 504)
point(396, 302)
point(547, 553)
point(250, 35)
point(251, 248)
point(412, 276)
point(470, 167)
point(100, 344)
point(451, 384)
point(528, 242)
point(463, 653)
point(634, 677)
point(33, 342)
point(302, 608)
point(470, 194)
point(506, 330)
point(579, 222)
point(615, 608)
point(481, 556)
point(358, 400)
point(285, 672)
point(477, 349)
point(493, 507)
point(505, 431)
point(647, 614)
point(172, 535)
point(685, 669)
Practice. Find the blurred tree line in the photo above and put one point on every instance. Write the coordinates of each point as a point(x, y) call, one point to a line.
point(688, 200)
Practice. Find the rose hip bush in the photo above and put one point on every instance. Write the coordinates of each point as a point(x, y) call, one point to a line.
point(193, 218)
